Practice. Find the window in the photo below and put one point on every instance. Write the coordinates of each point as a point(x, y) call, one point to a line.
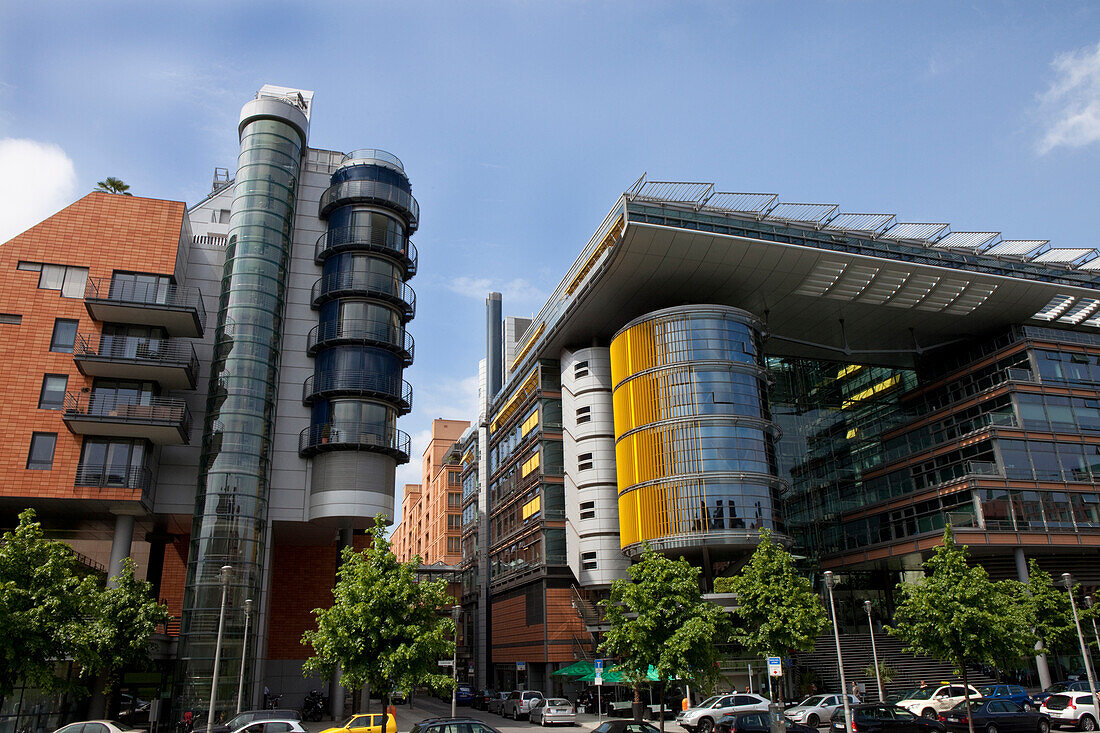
point(40, 456)
point(580, 369)
point(52, 396)
point(454, 521)
point(140, 287)
point(454, 499)
point(66, 278)
point(454, 544)
point(107, 462)
point(454, 478)
point(588, 561)
point(64, 335)
point(11, 319)
point(584, 461)
point(588, 510)
point(584, 414)
point(534, 611)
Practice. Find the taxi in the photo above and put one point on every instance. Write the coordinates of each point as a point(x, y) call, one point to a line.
point(366, 723)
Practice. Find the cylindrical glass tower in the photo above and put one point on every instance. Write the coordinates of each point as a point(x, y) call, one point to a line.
point(360, 344)
point(694, 442)
point(231, 504)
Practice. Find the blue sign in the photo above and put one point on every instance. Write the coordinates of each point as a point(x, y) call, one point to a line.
point(598, 664)
point(521, 666)
point(775, 667)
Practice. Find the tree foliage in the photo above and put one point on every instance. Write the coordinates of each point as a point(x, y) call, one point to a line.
point(1052, 618)
point(658, 618)
point(113, 185)
point(777, 609)
point(384, 628)
point(958, 615)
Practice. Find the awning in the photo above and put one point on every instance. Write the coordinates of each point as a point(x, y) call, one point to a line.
point(577, 669)
point(615, 676)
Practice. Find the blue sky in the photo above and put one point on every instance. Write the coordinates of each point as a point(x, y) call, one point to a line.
point(521, 122)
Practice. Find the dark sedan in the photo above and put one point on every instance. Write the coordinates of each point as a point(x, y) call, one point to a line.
point(995, 715)
point(625, 726)
point(879, 718)
point(757, 722)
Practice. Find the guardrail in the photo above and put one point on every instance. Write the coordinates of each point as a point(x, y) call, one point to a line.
point(367, 238)
point(108, 476)
point(370, 192)
point(132, 348)
point(362, 382)
point(373, 284)
point(343, 434)
point(148, 294)
point(129, 408)
point(374, 332)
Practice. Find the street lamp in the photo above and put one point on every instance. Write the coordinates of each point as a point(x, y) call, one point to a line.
point(830, 581)
point(874, 651)
point(244, 653)
point(225, 575)
point(1089, 600)
point(1067, 580)
point(456, 611)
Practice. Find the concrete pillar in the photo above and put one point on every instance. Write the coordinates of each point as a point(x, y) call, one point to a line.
point(1040, 657)
point(120, 545)
point(336, 692)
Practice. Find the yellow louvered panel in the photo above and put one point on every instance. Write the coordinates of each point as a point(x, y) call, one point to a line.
point(532, 507)
point(529, 465)
point(530, 423)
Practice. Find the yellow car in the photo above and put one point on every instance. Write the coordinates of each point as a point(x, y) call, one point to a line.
point(365, 723)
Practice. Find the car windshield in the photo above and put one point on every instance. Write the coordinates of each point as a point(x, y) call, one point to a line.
point(121, 726)
point(920, 693)
point(557, 701)
point(710, 701)
point(1057, 687)
point(811, 702)
point(989, 691)
point(357, 719)
point(974, 704)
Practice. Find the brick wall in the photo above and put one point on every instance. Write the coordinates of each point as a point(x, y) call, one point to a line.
point(301, 580)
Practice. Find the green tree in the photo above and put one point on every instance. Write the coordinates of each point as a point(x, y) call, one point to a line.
point(384, 628)
point(1048, 605)
point(958, 615)
point(777, 609)
point(658, 618)
point(42, 604)
point(118, 632)
point(113, 185)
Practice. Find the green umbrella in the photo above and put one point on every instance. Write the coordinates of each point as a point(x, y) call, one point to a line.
point(579, 669)
point(615, 675)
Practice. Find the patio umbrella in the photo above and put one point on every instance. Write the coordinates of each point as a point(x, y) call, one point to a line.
point(578, 669)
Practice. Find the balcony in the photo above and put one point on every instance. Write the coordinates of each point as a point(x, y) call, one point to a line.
point(353, 436)
point(371, 192)
point(395, 391)
point(138, 478)
point(367, 239)
point(169, 362)
point(372, 285)
point(178, 310)
point(366, 333)
point(161, 420)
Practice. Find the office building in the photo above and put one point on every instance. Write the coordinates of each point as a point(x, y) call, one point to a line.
point(716, 364)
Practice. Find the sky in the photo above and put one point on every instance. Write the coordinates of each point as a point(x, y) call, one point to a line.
point(520, 123)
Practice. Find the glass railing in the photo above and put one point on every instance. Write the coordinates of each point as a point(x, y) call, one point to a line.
point(369, 155)
point(147, 294)
point(359, 382)
point(133, 348)
point(122, 477)
point(366, 238)
point(371, 192)
point(372, 284)
point(129, 408)
point(337, 434)
point(374, 332)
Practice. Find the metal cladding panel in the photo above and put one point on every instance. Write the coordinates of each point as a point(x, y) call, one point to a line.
point(352, 484)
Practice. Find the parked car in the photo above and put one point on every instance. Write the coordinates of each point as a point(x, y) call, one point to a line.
point(624, 726)
point(995, 715)
point(273, 726)
point(1058, 687)
point(702, 718)
point(519, 703)
point(813, 710)
point(97, 726)
point(1015, 693)
point(1071, 710)
point(482, 698)
point(755, 723)
point(496, 703)
point(399, 697)
point(240, 720)
point(932, 700)
point(885, 718)
point(365, 723)
point(439, 725)
point(553, 710)
point(464, 694)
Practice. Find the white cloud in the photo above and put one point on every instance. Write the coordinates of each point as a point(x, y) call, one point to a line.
point(1070, 109)
point(517, 290)
point(39, 179)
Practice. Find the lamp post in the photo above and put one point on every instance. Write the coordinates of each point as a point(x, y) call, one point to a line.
point(1067, 580)
point(244, 653)
point(456, 611)
point(830, 581)
point(874, 651)
point(1089, 600)
point(225, 575)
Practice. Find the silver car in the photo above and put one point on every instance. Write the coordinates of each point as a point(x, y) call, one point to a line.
point(553, 710)
point(496, 703)
point(702, 717)
point(817, 709)
point(519, 703)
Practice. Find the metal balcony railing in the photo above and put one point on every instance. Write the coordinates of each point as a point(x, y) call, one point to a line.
point(374, 333)
point(369, 155)
point(121, 477)
point(374, 285)
point(367, 239)
point(361, 383)
point(129, 408)
point(344, 435)
point(376, 192)
point(146, 294)
point(161, 352)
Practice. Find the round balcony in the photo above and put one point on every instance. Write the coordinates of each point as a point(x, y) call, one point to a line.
point(371, 385)
point(354, 436)
point(371, 285)
point(367, 239)
point(371, 192)
point(362, 333)
point(372, 156)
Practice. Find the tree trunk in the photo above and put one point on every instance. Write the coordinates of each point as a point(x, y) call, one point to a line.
point(636, 706)
point(97, 706)
point(966, 693)
point(385, 707)
point(661, 705)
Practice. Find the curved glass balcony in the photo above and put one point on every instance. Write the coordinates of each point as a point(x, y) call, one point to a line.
point(353, 436)
point(372, 155)
point(392, 390)
point(372, 285)
point(366, 239)
point(366, 333)
point(371, 192)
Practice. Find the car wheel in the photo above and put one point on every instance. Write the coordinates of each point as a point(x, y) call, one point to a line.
point(1087, 723)
point(812, 721)
point(928, 713)
point(991, 728)
point(1044, 726)
point(706, 725)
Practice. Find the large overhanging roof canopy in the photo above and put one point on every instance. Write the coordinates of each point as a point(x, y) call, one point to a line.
point(828, 284)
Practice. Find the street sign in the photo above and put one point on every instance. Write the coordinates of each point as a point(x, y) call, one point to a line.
point(521, 666)
point(598, 678)
point(775, 667)
point(445, 662)
point(598, 664)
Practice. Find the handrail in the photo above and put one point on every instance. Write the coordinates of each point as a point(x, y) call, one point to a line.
point(109, 476)
point(367, 154)
point(375, 332)
point(138, 349)
point(130, 407)
point(358, 381)
point(163, 294)
point(371, 283)
point(371, 191)
point(365, 237)
point(350, 433)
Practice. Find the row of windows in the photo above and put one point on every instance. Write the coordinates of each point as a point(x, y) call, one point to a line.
point(71, 281)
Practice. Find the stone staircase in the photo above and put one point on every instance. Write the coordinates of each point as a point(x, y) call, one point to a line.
point(856, 649)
